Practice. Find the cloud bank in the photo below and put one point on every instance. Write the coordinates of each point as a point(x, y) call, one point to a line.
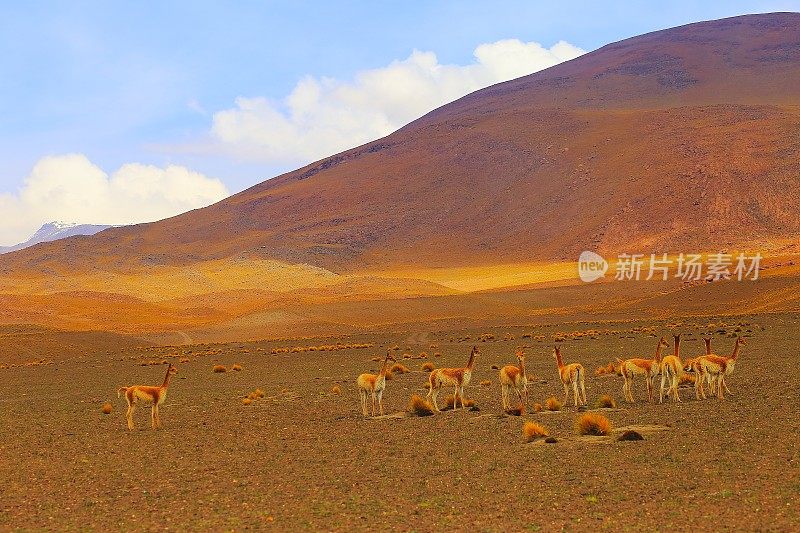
point(323, 116)
point(73, 189)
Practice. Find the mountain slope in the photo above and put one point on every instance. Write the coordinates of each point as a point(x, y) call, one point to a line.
point(53, 231)
point(682, 140)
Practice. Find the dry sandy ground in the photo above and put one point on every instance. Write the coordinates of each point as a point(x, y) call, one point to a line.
point(304, 458)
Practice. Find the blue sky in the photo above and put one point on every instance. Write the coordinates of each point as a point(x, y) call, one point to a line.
point(114, 95)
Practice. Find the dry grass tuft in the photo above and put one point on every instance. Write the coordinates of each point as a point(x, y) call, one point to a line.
point(486, 383)
point(428, 367)
point(236, 367)
point(107, 408)
point(553, 404)
point(252, 396)
point(259, 393)
point(516, 411)
point(397, 368)
point(606, 402)
point(419, 406)
point(532, 431)
point(593, 424)
point(247, 401)
point(336, 389)
point(219, 369)
point(537, 408)
point(450, 402)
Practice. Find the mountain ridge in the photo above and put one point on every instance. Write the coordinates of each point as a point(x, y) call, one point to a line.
point(676, 140)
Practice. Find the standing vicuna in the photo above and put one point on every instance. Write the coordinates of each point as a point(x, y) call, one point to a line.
point(372, 385)
point(671, 371)
point(716, 367)
point(457, 377)
point(571, 374)
point(514, 377)
point(693, 366)
point(649, 368)
point(147, 394)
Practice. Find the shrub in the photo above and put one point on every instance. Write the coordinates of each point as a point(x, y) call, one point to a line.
point(247, 401)
point(450, 402)
point(336, 389)
point(428, 367)
point(107, 408)
point(516, 411)
point(219, 369)
point(236, 367)
point(486, 383)
point(537, 408)
point(397, 368)
point(553, 404)
point(593, 424)
point(532, 431)
point(606, 402)
point(419, 406)
point(259, 393)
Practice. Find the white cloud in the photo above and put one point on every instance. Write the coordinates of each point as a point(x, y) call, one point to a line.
point(323, 116)
point(71, 188)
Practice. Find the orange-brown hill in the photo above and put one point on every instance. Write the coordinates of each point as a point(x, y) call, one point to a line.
point(683, 139)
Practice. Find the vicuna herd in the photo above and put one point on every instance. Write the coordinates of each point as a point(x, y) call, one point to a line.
point(709, 370)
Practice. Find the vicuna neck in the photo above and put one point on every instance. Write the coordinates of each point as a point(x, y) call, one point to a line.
point(735, 353)
point(166, 379)
point(708, 346)
point(677, 352)
point(522, 367)
point(559, 361)
point(471, 361)
point(385, 363)
point(658, 351)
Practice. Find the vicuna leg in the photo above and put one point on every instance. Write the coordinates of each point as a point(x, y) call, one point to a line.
point(661, 390)
point(380, 401)
point(583, 390)
point(566, 393)
point(575, 391)
point(373, 403)
point(131, 408)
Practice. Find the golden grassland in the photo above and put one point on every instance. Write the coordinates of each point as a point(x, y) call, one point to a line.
point(231, 299)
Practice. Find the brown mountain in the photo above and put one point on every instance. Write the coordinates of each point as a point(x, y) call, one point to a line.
point(679, 140)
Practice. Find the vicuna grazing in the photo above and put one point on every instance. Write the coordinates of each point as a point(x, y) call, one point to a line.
point(649, 368)
point(149, 395)
point(372, 385)
point(457, 377)
point(571, 374)
point(671, 371)
point(514, 377)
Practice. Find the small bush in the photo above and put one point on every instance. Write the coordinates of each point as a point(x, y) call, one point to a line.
point(336, 389)
point(247, 401)
point(593, 424)
point(428, 367)
point(397, 368)
point(107, 408)
point(252, 396)
point(450, 402)
point(606, 402)
point(532, 431)
point(419, 406)
point(630, 435)
point(553, 404)
point(219, 369)
point(236, 367)
point(516, 411)
point(537, 408)
point(259, 393)
point(486, 383)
